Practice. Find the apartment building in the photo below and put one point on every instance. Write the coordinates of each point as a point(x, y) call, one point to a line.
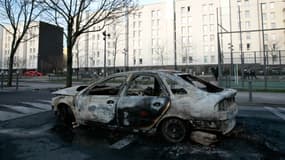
point(154, 34)
point(40, 50)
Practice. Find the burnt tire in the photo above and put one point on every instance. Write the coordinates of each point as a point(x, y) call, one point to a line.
point(174, 130)
point(65, 116)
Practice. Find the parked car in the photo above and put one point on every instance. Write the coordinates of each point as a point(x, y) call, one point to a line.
point(170, 103)
point(33, 73)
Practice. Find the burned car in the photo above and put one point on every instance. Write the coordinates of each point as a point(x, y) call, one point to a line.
point(170, 103)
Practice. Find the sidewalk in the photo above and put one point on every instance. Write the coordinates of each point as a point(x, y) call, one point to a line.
point(261, 98)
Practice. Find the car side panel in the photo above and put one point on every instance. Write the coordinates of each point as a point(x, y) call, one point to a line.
point(141, 111)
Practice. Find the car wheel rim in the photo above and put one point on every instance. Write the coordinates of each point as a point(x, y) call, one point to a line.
point(174, 130)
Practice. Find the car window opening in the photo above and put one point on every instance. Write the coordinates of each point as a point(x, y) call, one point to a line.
point(201, 84)
point(144, 86)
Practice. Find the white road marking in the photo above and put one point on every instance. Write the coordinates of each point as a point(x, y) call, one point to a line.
point(123, 142)
point(282, 108)
point(22, 109)
point(276, 112)
point(25, 110)
point(20, 132)
point(38, 105)
point(8, 115)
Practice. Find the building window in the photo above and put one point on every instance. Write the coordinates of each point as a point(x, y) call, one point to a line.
point(153, 14)
point(190, 59)
point(265, 37)
point(212, 18)
point(141, 61)
point(205, 38)
point(265, 25)
point(184, 59)
point(248, 46)
point(211, 7)
point(212, 37)
point(183, 11)
point(184, 31)
point(212, 28)
point(188, 8)
point(212, 48)
point(272, 5)
point(247, 24)
point(205, 20)
point(205, 59)
point(205, 29)
point(206, 49)
point(205, 8)
point(272, 15)
point(273, 25)
point(247, 14)
point(264, 15)
point(248, 36)
point(273, 37)
point(212, 59)
point(139, 14)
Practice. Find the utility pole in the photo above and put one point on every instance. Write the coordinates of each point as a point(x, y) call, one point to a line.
point(219, 51)
point(263, 44)
point(231, 40)
point(241, 49)
point(104, 38)
point(127, 39)
point(174, 32)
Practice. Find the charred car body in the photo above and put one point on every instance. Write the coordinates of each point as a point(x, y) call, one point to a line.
point(172, 103)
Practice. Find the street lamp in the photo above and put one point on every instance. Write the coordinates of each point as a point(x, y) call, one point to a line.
point(241, 46)
point(104, 38)
point(263, 47)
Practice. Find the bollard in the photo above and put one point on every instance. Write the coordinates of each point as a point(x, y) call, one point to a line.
point(17, 80)
point(2, 80)
point(250, 90)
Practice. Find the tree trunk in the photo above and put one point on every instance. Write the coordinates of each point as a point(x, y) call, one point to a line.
point(10, 69)
point(69, 64)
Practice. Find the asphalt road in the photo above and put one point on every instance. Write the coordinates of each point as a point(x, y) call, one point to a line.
point(33, 134)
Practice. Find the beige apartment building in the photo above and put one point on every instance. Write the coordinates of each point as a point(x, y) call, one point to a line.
point(154, 35)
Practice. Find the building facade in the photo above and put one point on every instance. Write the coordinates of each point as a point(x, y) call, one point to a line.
point(155, 32)
point(40, 50)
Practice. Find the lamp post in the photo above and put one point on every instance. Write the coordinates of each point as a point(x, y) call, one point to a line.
point(104, 38)
point(263, 48)
point(241, 47)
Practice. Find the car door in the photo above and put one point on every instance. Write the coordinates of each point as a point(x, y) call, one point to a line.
point(98, 102)
point(143, 101)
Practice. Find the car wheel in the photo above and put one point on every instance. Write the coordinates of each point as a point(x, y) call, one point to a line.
point(174, 130)
point(65, 116)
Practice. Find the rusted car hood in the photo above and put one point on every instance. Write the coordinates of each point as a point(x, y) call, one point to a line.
point(71, 91)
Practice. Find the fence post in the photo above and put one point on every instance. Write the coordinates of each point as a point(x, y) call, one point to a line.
point(279, 57)
point(17, 80)
point(2, 79)
point(250, 90)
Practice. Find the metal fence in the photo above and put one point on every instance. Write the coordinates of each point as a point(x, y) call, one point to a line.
point(266, 70)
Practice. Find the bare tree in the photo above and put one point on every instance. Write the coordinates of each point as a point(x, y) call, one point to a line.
point(80, 16)
point(16, 17)
point(160, 51)
point(272, 47)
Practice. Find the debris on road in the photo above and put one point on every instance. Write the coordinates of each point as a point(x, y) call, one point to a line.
point(123, 142)
point(203, 138)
